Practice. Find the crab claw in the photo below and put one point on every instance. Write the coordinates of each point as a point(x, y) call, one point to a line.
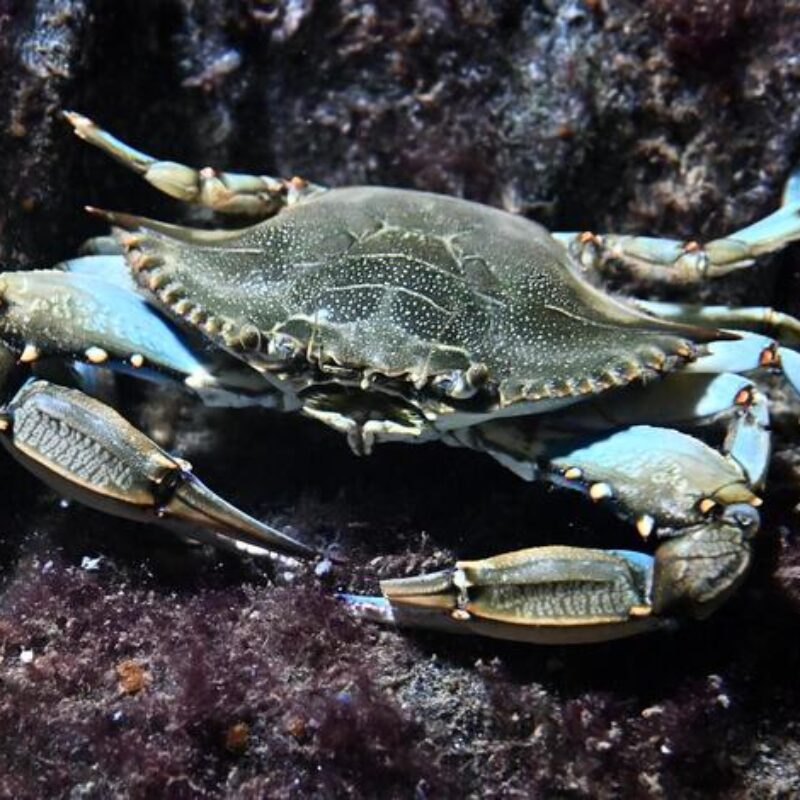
point(80, 315)
point(89, 311)
point(87, 451)
point(540, 594)
point(697, 571)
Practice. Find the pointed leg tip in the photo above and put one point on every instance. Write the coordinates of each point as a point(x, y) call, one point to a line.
point(102, 213)
point(80, 123)
point(119, 218)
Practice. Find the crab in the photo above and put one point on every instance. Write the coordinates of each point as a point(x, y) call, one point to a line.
point(393, 315)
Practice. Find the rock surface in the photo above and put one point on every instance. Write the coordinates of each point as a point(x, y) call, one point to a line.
point(131, 666)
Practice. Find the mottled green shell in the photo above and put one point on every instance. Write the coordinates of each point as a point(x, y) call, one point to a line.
point(406, 284)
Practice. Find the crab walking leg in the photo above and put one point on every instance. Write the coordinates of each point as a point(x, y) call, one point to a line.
point(753, 350)
point(685, 401)
point(257, 196)
point(686, 262)
point(750, 353)
point(758, 319)
point(87, 451)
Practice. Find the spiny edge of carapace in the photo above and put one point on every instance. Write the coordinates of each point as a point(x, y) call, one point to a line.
point(648, 363)
point(147, 265)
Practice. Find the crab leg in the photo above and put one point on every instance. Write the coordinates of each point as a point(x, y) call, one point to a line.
point(677, 400)
point(257, 196)
point(87, 451)
point(574, 595)
point(693, 500)
point(683, 400)
point(677, 489)
point(753, 350)
point(686, 262)
point(90, 314)
point(758, 319)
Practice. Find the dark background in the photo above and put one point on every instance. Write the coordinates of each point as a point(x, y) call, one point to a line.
point(174, 672)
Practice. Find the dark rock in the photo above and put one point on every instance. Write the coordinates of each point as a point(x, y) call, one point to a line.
point(671, 118)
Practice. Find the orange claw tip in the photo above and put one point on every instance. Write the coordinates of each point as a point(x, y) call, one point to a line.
point(30, 353)
point(706, 504)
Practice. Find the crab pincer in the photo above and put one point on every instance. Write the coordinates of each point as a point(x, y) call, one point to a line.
point(87, 451)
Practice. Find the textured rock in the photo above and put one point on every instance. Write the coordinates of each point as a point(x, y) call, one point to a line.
point(671, 117)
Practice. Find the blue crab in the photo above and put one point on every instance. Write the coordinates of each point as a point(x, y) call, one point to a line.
point(395, 315)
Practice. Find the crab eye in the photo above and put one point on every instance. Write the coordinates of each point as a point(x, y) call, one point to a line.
point(444, 383)
point(282, 346)
point(455, 385)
